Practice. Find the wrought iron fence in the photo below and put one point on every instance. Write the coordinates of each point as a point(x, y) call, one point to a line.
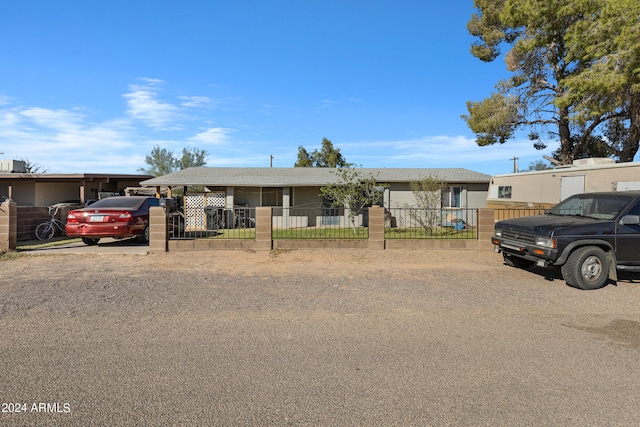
point(212, 222)
point(416, 223)
point(318, 223)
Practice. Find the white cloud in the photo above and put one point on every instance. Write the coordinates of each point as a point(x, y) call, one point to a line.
point(66, 140)
point(151, 81)
point(443, 151)
point(327, 103)
point(62, 140)
point(214, 136)
point(61, 120)
point(8, 118)
point(144, 105)
point(195, 101)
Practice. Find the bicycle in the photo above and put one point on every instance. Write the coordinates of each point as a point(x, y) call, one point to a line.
point(47, 230)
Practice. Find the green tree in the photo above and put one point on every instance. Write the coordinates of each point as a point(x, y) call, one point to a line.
point(305, 160)
point(162, 161)
point(558, 85)
point(192, 157)
point(428, 200)
point(31, 167)
point(608, 39)
point(538, 165)
point(327, 157)
point(353, 191)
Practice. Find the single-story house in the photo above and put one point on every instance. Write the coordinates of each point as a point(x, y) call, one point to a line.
point(45, 189)
point(299, 188)
point(547, 188)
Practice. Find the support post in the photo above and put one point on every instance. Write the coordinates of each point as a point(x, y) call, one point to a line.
point(264, 227)
point(8, 226)
point(376, 227)
point(158, 230)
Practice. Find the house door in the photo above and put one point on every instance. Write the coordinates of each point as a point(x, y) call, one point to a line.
point(571, 185)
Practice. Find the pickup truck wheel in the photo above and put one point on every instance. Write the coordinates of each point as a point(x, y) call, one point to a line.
point(586, 268)
point(517, 262)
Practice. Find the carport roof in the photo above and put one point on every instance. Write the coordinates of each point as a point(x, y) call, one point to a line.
point(301, 177)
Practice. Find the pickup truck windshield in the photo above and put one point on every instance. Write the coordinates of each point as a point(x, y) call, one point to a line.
point(593, 206)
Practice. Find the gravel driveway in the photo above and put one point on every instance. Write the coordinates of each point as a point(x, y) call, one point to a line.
point(313, 337)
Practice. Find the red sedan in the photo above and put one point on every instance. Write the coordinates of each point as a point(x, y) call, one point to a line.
point(118, 216)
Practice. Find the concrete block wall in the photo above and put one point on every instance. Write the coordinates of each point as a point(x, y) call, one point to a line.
point(18, 223)
point(8, 226)
point(264, 241)
point(264, 228)
point(158, 230)
point(376, 227)
point(28, 219)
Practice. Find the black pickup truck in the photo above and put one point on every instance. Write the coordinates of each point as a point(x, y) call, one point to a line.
point(589, 236)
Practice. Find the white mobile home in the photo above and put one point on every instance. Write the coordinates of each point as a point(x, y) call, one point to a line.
point(548, 187)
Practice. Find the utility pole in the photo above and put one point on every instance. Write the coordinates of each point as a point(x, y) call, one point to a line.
point(271, 160)
point(515, 164)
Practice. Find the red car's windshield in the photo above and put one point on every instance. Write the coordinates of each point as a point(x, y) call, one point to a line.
point(118, 202)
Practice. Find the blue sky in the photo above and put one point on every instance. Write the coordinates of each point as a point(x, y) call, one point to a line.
point(93, 86)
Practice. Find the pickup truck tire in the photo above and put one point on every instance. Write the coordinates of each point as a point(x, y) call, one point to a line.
point(587, 268)
point(514, 261)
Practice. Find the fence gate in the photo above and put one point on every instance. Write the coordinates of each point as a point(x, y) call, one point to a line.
point(194, 208)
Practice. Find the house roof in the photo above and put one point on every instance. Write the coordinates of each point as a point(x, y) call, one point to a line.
point(300, 177)
point(25, 176)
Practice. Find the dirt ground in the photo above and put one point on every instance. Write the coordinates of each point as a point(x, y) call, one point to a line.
point(312, 337)
point(334, 263)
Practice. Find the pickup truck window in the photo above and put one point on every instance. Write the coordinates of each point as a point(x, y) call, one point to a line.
point(635, 210)
point(592, 206)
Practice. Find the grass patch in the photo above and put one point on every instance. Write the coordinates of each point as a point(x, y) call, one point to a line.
point(421, 233)
point(7, 255)
point(311, 233)
point(29, 245)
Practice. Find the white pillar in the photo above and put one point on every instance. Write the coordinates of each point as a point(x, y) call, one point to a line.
point(286, 198)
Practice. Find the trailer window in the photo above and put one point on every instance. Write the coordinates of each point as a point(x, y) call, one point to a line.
point(504, 192)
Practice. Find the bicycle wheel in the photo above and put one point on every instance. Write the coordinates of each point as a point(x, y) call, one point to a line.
point(61, 225)
point(45, 231)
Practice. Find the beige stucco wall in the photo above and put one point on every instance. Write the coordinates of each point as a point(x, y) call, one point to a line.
point(48, 193)
point(397, 195)
point(306, 197)
point(24, 193)
point(247, 196)
point(473, 195)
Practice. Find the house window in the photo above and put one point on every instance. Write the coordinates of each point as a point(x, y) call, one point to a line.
point(271, 196)
point(504, 192)
point(452, 197)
